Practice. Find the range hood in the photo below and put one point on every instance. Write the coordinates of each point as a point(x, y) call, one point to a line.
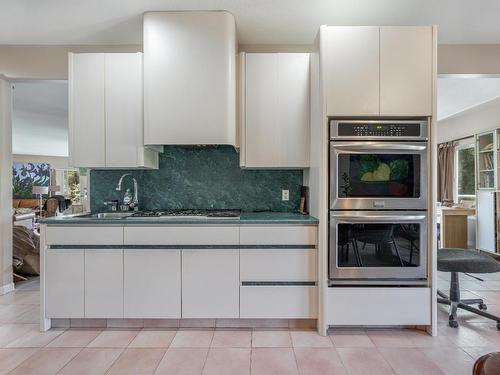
point(189, 78)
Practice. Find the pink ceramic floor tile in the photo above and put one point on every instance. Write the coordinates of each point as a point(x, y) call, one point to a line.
point(135, 361)
point(452, 361)
point(152, 339)
point(91, 361)
point(74, 339)
point(232, 339)
point(390, 338)
point(319, 361)
point(11, 358)
point(113, 339)
point(227, 361)
point(271, 339)
point(273, 361)
point(192, 339)
point(310, 339)
point(182, 361)
point(408, 361)
point(351, 339)
point(364, 361)
point(46, 361)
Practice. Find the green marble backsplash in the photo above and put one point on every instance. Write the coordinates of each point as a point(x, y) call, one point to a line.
point(201, 177)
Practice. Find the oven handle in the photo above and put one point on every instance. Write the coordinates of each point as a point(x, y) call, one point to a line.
point(363, 146)
point(378, 218)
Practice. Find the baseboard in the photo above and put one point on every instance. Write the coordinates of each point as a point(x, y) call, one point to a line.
point(7, 288)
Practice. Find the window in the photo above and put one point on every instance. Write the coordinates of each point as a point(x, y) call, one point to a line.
point(69, 182)
point(465, 178)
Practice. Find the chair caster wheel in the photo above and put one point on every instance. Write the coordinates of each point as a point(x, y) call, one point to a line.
point(482, 306)
point(454, 324)
point(498, 326)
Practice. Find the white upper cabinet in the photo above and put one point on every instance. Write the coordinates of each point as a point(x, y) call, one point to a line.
point(378, 71)
point(352, 71)
point(86, 110)
point(275, 100)
point(106, 111)
point(189, 78)
point(406, 71)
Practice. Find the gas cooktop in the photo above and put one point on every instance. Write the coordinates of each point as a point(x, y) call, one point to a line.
point(188, 213)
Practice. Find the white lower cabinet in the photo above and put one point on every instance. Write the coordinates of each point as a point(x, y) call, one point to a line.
point(103, 283)
point(280, 302)
point(210, 283)
point(64, 275)
point(152, 283)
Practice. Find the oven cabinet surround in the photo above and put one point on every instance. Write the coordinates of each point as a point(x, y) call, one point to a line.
point(379, 71)
point(167, 272)
point(105, 111)
point(274, 110)
point(189, 78)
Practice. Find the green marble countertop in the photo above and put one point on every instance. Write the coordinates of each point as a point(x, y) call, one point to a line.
point(289, 218)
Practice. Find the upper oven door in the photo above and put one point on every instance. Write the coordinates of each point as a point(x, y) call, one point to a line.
point(378, 175)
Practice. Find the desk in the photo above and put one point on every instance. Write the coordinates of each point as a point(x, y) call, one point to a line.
point(454, 226)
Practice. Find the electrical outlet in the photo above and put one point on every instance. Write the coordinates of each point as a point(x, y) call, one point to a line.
point(285, 195)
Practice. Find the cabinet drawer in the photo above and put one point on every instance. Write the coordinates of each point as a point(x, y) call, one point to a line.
point(280, 302)
point(178, 235)
point(388, 306)
point(77, 235)
point(278, 235)
point(278, 264)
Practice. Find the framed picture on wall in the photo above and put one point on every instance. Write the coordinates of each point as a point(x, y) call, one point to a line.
point(27, 175)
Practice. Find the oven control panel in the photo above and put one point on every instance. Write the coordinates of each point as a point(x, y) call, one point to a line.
point(378, 129)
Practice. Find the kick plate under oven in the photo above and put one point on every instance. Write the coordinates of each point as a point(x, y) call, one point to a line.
point(378, 247)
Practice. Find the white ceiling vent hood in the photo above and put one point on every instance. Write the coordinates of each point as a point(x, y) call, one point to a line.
point(189, 78)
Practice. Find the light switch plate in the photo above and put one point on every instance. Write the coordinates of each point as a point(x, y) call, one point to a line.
point(285, 195)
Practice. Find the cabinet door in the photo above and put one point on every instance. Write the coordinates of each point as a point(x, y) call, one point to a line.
point(64, 275)
point(293, 109)
point(103, 283)
point(124, 124)
point(86, 110)
point(262, 130)
point(152, 283)
point(406, 71)
point(352, 71)
point(210, 283)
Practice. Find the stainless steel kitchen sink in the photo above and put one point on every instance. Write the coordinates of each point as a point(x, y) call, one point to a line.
point(112, 215)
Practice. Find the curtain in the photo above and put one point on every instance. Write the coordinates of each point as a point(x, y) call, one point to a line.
point(446, 158)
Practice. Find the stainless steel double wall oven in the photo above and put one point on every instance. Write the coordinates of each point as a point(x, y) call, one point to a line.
point(378, 202)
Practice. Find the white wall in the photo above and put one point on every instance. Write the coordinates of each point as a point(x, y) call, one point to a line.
point(54, 161)
point(483, 117)
point(5, 187)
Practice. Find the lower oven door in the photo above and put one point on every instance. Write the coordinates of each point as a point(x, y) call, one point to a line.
point(378, 247)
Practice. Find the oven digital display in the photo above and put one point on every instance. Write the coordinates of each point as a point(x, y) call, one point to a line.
point(370, 129)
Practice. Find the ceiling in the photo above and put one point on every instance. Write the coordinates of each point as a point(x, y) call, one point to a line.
point(456, 95)
point(258, 21)
point(40, 118)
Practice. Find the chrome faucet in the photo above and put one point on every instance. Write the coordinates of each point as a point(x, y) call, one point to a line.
point(135, 201)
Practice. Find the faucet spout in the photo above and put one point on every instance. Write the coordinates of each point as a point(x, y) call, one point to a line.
point(135, 202)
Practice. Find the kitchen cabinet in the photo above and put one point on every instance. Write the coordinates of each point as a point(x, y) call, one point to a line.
point(275, 125)
point(210, 283)
point(103, 283)
point(406, 71)
point(106, 111)
point(64, 275)
point(352, 71)
point(379, 71)
point(189, 78)
point(152, 283)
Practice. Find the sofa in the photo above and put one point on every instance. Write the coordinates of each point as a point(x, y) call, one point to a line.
point(25, 203)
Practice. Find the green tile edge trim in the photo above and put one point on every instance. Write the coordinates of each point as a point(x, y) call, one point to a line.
point(146, 247)
point(278, 283)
